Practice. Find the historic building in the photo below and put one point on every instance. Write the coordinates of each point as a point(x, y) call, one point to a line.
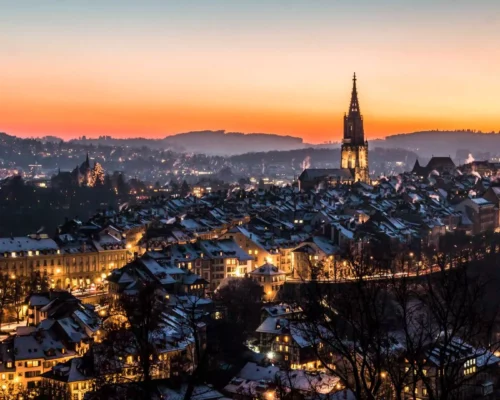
point(68, 262)
point(354, 154)
point(435, 166)
point(354, 151)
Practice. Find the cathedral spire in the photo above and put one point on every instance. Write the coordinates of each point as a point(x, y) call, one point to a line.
point(354, 107)
point(354, 150)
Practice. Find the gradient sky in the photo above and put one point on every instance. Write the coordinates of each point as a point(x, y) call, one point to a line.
point(132, 68)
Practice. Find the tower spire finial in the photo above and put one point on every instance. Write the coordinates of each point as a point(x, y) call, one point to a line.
point(354, 107)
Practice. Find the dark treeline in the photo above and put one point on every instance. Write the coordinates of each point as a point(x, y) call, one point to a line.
point(26, 208)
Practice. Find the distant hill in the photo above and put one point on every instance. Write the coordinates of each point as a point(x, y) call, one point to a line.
point(209, 142)
point(457, 144)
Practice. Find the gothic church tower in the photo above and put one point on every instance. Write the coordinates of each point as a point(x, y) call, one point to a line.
point(354, 150)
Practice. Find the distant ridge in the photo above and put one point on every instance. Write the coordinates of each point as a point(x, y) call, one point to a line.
point(457, 144)
point(219, 142)
point(210, 142)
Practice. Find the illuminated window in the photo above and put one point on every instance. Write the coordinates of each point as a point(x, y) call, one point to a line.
point(277, 338)
point(29, 364)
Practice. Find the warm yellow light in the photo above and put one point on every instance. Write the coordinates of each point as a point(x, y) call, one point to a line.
point(12, 276)
point(103, 276)
point(58, 270)
point(129, 246)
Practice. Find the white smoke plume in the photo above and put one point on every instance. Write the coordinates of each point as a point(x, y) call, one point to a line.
point(470, 159)
point(398, 184)
point(433, 172)
point(306, 163)
point(477, 175)
point(319, 187)
point(263, 167)
point(496, 177)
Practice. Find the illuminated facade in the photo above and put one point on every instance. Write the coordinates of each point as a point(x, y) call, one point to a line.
point(354, 151)
point(67, 265)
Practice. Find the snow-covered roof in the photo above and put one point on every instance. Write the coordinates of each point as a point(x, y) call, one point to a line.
point(267, 269)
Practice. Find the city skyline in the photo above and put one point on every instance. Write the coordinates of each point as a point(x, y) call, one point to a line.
point(157, 68)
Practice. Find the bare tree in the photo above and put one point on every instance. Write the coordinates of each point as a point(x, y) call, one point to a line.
point(393, 335)
point(349, 325)
point(447, 322)
point(128, 353)
point(4, 296)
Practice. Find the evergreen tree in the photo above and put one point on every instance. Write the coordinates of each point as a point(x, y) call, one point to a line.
point(121, 185)
point(97, 175)
point(185, 189)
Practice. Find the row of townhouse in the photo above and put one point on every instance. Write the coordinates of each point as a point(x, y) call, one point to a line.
point(62, 353)
point(65, 328)
point(74, 378)
point(66, 262)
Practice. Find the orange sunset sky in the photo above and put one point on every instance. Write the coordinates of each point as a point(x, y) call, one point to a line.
point(154, 68)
